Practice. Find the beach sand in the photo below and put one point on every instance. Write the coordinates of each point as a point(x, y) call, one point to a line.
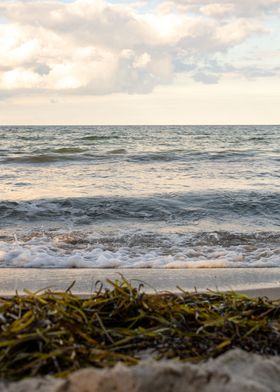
point(251, 281)
point(231, 372)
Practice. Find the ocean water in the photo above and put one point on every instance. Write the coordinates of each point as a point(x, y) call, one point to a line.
point(140, 196)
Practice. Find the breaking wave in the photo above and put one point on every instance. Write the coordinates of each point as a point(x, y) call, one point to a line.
point(141, 250)
point(179, 208)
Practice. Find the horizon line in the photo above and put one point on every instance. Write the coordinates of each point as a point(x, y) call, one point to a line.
point(139, 125)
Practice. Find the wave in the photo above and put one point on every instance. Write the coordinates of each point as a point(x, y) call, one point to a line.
point(69, 150)
point(54, 156)
point(84, 153)
point(40, 158)
point(188, 156)
point(99, 137)
point(142, 250)
point(187, 207)
point(118, 151)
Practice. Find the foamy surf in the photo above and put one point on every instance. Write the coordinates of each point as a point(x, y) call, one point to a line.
point(141, 250)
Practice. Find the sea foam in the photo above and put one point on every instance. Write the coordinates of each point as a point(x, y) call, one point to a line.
point(78, 250)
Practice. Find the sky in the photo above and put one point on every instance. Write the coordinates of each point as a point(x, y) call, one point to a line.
point(139, 62)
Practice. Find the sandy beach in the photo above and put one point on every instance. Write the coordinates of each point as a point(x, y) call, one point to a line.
point(252, 281)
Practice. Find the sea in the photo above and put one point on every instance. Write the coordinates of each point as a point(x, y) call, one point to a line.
point(139, 196)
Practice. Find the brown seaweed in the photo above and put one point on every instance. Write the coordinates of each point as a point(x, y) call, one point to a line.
point(58, 332)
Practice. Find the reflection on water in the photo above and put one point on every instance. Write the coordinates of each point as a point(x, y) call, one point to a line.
point(43, 162)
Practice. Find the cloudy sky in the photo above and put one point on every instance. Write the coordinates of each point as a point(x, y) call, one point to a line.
point(139, 61)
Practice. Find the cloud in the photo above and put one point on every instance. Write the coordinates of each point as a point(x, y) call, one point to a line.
point(222, 8)
point(206, 78)
point(96, 47)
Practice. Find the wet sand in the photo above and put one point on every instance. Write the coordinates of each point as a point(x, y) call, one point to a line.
point(252, 281)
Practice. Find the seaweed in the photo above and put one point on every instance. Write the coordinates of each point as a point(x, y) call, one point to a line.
point(56, 333)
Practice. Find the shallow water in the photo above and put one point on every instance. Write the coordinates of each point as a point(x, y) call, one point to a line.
point(140, 197)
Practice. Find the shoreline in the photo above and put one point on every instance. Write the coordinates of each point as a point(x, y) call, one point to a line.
point(251, 281)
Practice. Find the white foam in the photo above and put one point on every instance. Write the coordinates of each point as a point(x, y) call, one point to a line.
point(43, 252)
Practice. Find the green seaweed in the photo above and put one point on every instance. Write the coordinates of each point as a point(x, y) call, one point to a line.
point(56, 333)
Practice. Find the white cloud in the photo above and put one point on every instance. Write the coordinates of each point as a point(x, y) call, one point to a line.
point(94, 47)
point(218, 8)
point(142, 61)
point(20, 77)
point(236, 31)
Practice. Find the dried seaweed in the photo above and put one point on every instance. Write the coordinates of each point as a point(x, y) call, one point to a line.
point(56, 333)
